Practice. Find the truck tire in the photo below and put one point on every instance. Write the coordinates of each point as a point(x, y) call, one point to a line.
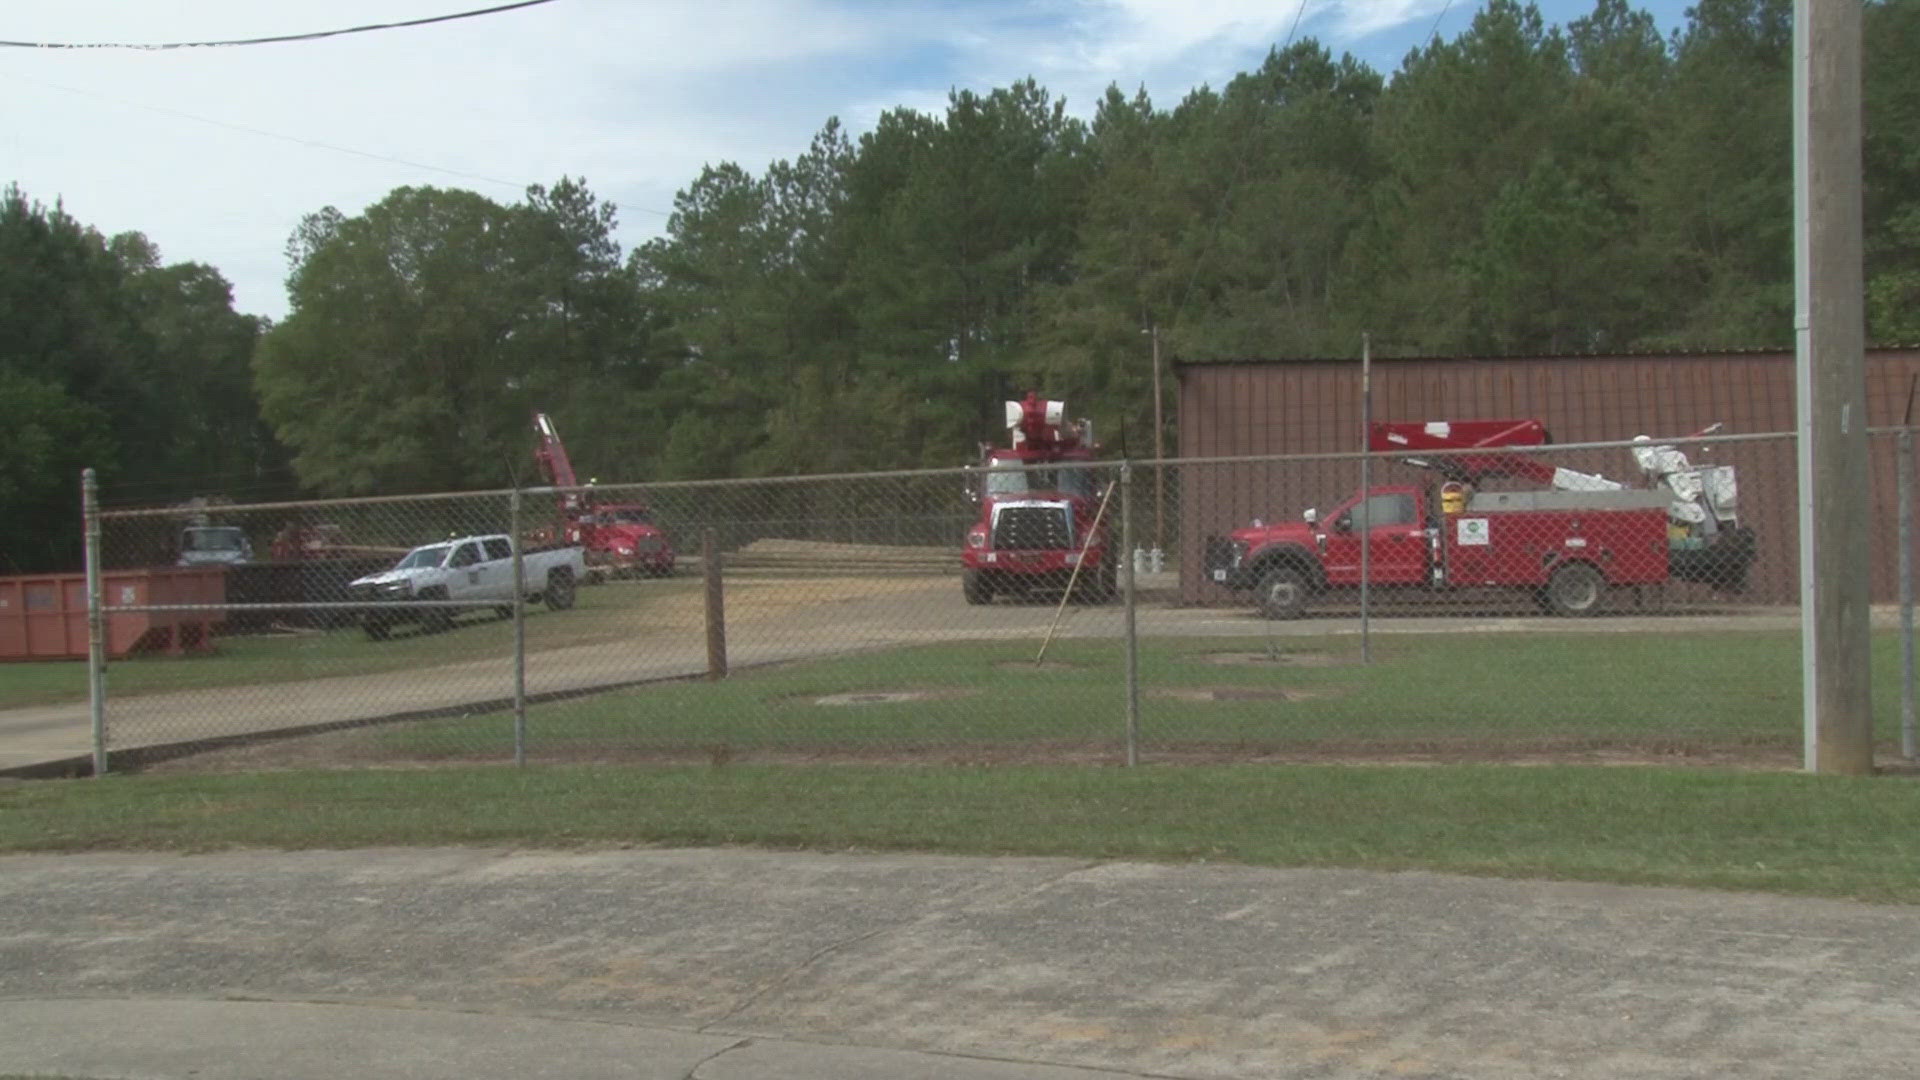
point(559, 591)
point(1575, 590)
point(1283, 593)
point(975, 587)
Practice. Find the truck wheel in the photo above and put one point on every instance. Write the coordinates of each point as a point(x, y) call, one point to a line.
point(975, 587)
point(1575, 589)
point(1283, 593)
point(559, 593)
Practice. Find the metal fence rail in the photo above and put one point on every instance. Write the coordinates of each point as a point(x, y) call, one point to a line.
point(1108, 612)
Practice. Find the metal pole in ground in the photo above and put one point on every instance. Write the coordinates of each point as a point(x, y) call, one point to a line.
point(519, 631)
point(1366, 501)
point(96, 622)
point(1904, 472)
point(716, 607)
point(1133, 638)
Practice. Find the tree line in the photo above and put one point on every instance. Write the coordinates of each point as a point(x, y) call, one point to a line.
point(1519, 189)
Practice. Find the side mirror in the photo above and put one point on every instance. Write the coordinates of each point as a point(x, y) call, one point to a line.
point(1311, 517)
point(1344, 524)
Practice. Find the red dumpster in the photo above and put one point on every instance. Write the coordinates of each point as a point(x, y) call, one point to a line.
point(44, 616)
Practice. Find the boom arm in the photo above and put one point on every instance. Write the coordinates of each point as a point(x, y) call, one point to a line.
point(552, 453)
point(1453, 437)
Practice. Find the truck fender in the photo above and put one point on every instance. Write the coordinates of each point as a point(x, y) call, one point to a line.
point(1260, 560)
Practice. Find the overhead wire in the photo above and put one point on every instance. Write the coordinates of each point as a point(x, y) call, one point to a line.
point(295, 139)
point(276, 39)
point(1239, 171)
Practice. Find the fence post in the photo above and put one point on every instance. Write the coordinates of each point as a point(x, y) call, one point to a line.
point(716, 607)
point(1133, 639)
point(1904, 472)
point(519, 629)
point(96, 622)
point(1366, 501)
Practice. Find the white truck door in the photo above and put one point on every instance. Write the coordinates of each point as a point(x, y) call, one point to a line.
point(466, 573)
point(498, 575)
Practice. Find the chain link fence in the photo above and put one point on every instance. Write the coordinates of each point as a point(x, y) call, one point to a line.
point(1610, 601)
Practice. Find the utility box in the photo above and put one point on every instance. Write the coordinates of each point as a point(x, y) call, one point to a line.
point(44, 616)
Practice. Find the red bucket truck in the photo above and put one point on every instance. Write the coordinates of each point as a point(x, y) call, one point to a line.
point(1041, 524)
point(620, 538)
point(1567, 541)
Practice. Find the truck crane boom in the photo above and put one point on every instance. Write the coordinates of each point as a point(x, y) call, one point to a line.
point(552, 453)
point(1451, 437)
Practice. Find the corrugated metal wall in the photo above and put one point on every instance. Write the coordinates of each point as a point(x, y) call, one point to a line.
point(1313, 406)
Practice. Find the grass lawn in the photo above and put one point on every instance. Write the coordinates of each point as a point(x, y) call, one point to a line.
point(1500, 693)
point(1777, 832)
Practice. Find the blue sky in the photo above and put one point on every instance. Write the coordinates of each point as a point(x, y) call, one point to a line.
point(217, 153)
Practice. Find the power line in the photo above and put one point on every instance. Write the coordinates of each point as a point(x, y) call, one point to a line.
point(277, 39)
point(297, 140)
point(1239, 171)
point(312, 143)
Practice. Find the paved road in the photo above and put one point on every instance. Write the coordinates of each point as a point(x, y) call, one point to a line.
point(715, 965)
point(35, 737)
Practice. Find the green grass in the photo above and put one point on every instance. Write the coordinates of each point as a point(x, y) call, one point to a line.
point(254, 659)
point(1652, 692)
point(1778, 832)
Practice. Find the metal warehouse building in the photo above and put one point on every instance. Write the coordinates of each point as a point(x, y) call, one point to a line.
point(1298, 407)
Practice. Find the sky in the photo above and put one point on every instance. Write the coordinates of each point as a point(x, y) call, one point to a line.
point(217, 153)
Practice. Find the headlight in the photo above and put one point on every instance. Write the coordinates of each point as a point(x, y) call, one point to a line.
point(977, 537)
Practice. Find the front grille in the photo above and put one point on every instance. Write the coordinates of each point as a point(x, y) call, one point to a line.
point(1032, 528)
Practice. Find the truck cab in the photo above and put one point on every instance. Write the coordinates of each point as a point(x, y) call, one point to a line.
point(1287, 563)
point(214, 545)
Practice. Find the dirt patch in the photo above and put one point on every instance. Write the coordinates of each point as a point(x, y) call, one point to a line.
point(1277, 659)
point(888, 697)
point(1236, 693)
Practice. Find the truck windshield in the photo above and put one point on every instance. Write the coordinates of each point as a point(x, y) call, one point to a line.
point(214, 540)
point(1006, 477)
point(425, 557)
point(625, 517)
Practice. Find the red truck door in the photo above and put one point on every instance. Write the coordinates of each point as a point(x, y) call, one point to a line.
point(1397, 536)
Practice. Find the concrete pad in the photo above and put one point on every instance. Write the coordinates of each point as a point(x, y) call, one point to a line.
point(1197, 971)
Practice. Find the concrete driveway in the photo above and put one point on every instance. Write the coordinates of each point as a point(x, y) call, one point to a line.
point(721, 964)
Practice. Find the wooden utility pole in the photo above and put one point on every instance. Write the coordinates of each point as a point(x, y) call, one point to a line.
point(1830, 348)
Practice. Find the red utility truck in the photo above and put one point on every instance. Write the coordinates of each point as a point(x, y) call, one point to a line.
point(1040, 517)
point(620, 538)
point(1567, 541)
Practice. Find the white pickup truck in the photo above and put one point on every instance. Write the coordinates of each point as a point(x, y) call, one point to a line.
point(470, 568)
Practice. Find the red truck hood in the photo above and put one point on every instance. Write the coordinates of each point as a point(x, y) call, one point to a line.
point(625, 529)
